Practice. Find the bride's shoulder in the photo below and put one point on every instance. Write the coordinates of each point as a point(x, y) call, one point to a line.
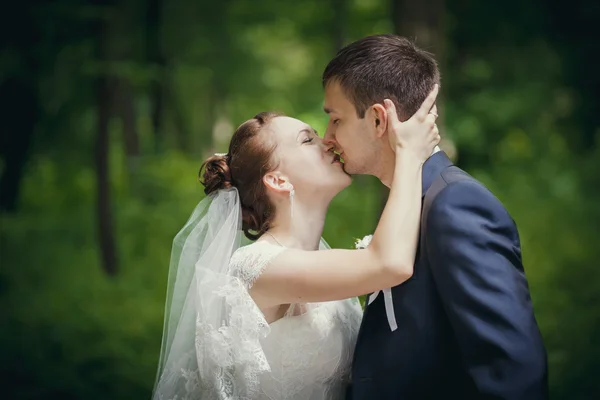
point(248, 262)
point(254, 251)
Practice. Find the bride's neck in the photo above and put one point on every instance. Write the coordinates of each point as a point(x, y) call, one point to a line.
point(303, 229)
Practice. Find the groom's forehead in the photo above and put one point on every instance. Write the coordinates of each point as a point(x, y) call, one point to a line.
point(329, 105)
point(335, 98)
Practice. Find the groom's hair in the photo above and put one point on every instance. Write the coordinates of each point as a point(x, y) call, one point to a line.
point(381, 67)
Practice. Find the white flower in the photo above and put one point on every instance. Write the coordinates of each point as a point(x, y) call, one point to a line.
point(364, 242)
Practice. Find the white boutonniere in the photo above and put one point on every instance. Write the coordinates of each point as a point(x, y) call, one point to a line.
point(363, 243)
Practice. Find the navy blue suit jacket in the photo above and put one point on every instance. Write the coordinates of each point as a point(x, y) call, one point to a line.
point(466, 328)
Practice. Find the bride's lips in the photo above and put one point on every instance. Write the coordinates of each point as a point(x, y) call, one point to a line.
point(337, 158)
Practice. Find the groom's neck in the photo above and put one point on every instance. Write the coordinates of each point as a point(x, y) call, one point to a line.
point(386, 172)
point(386, 168)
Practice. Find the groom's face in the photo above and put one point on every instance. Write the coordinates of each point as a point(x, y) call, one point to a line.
point(351, 136)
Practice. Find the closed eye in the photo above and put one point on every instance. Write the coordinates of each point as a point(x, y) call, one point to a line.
point(308, 140)
point(335, 121)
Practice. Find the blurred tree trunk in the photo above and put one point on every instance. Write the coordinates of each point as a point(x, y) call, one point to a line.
point(125, 103)
point(105, 84)
point(157, 60)
point(103, 201)
point(220, 63)
point(340, 13)
point(19, 104)
point(423, 22)
point(125, 97)
point(177, 114)
point(162, 90)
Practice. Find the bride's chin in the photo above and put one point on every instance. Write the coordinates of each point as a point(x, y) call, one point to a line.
point(344, 181)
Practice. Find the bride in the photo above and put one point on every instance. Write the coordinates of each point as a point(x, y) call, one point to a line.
point(276, 319)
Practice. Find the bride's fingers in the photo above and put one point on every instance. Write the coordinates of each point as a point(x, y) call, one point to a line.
point(425, 108)
point(392, 115)
point(430, 120)
point(434, 135)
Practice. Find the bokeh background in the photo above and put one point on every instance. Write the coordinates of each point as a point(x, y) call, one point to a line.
point(108, 109)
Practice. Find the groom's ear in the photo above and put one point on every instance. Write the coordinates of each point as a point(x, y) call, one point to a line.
point(379, 117)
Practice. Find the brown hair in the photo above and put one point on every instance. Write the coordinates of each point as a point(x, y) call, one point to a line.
point(384, 66)
point(249, 158)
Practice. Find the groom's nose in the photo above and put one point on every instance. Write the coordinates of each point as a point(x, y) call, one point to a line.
point(328, 148)
point(329, 138)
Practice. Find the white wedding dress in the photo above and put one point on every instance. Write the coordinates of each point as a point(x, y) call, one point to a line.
point(309, 351)
point(217, 344)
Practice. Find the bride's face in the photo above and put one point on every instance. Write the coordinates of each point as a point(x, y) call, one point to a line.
point(304, 160)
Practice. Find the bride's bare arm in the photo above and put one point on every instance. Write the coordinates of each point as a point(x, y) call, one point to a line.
point(313, 276)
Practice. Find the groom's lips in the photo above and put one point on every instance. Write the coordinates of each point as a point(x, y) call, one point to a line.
point(337, 157)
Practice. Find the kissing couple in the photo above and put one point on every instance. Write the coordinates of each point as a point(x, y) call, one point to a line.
point(449, 314)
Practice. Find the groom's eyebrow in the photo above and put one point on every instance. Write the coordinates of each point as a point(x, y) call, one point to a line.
point(327, 110)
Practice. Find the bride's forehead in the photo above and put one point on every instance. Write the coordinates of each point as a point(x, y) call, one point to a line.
point(287, 126)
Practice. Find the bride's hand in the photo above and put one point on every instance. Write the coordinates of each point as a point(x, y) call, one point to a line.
point(418, 134)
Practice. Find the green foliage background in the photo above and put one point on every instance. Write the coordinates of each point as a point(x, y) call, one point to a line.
point(519, 103)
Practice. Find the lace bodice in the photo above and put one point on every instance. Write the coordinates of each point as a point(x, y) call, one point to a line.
point(309, 354)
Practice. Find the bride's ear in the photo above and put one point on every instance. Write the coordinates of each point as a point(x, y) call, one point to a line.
point(278, 183)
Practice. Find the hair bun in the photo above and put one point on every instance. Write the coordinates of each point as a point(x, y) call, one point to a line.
point(217, 174)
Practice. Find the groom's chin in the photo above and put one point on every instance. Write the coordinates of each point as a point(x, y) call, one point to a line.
point(347, 169)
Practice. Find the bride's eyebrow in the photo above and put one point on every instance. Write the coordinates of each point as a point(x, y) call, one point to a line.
point(308, 131)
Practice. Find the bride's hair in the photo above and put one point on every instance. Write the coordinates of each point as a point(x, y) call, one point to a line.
point(249, 158)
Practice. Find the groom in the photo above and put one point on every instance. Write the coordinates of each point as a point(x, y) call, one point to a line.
point(463, 326)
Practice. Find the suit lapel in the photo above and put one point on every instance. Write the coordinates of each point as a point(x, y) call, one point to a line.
point(432, 168)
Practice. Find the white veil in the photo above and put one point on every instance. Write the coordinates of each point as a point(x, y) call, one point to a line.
point(198, 334)
point(212, 328)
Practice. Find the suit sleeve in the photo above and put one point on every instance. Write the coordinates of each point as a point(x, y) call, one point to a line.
point(475, 256)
